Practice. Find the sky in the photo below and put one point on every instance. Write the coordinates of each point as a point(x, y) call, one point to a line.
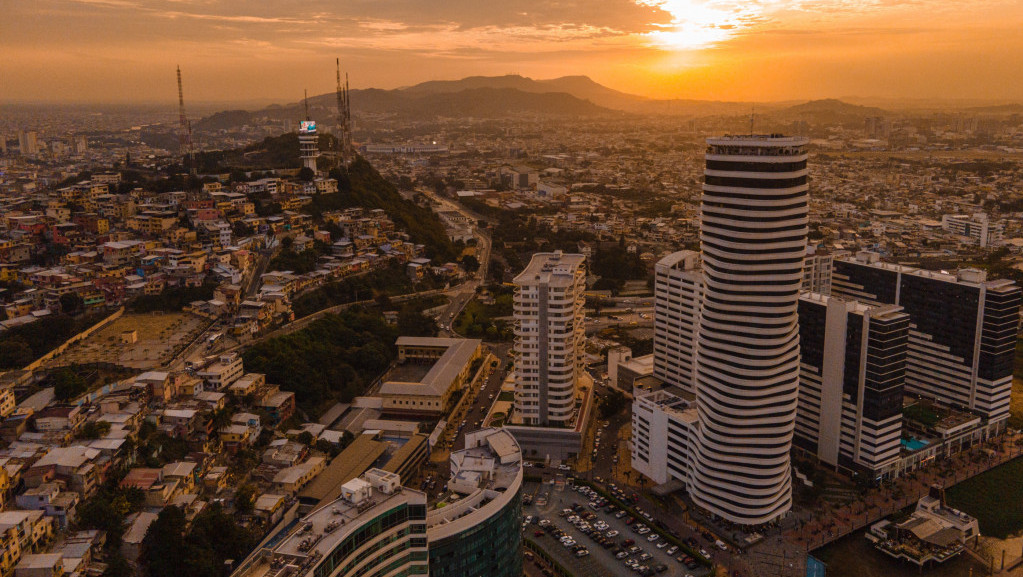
point(745, 50)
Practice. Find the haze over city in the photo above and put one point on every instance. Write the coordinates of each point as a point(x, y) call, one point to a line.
point(533, 288)
point(759, 50)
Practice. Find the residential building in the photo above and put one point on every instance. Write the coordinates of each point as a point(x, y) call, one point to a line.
point(549, 336)
point(977, 229)
point(678, 282)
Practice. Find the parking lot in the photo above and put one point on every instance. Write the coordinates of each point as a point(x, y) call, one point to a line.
point(549, 522)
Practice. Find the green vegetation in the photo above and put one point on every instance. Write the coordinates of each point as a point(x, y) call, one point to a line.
point(364, 187)
point(995, 498)
point(73, 380)
point(614, 264)
point(172, 299)
point(67, 383)
point(107, 510)
point(333, 359)
point(21, 345)
point(924, 415)
point(169, 550)
point(384, 281)
point(296, 262)
point(611, 403)
point(94, 430)
point(481, 321)
point(413, 323)
point(506, 396)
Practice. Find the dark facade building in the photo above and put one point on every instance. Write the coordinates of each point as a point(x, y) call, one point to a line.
point(962, 339)
point(852, 380)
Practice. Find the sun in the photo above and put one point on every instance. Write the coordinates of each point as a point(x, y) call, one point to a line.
point(697, 24)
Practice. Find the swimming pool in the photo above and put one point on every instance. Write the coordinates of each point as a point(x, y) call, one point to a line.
point(914, 444)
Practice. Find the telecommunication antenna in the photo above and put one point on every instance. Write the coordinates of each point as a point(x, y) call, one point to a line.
point(344, 120)
point(305, 101)
point(752, 117)
point(185, 136)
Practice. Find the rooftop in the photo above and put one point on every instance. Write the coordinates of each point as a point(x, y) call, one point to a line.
point(410, 379)
point(319, 532)
point(552, 268)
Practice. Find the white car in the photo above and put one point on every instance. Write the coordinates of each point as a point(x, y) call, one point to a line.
point(653, 537)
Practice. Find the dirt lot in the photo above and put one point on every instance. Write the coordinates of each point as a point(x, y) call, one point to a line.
point(159, 335)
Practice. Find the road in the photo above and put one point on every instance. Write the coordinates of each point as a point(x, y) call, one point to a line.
point(462, 296)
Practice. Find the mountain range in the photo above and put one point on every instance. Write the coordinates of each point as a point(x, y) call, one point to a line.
point(502, 96)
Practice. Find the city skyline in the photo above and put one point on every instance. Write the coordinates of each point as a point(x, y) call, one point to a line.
point(126, 50)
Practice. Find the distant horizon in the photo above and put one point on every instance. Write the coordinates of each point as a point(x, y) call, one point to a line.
point(263, 102)
point(126, 51)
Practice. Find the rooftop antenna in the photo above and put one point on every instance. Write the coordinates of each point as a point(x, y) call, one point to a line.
point(305, 101)
point(185, 136)
point(752, 116)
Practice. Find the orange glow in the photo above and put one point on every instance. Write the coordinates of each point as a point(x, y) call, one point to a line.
point(702, 49)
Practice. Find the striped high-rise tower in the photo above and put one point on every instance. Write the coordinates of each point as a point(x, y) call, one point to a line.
point(753, 236)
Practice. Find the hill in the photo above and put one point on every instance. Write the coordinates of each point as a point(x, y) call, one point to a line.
point(828, 111)
point(470, 100)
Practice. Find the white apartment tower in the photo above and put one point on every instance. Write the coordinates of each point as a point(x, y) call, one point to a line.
point(677, 284)
point(753, 242)
point(549, 337)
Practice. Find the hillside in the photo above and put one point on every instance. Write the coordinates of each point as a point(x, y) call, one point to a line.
point(366, 188)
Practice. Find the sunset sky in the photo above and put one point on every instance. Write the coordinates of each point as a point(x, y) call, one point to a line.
point(269, 50)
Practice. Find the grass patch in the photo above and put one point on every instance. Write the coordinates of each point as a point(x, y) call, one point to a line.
point(995, 498)
point(506, 396)
point(924, 415)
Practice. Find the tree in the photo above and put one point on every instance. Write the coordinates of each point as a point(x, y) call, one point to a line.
point(244, 499)
point(71, 303)
point(306, 174)
point(413, 323)
point(610, 404)
point(117, 565)
point(164, 550)
point(470, 263)
point(306, 438)
point(68, 383)
point(15, 353)
point(94, 429)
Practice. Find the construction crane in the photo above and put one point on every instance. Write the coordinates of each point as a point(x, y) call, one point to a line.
point(185, 136)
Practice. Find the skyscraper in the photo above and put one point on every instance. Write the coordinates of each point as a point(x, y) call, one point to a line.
point(549, 337)
point(753, 242)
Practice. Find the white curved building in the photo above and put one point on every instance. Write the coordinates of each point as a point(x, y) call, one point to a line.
point(753, 241)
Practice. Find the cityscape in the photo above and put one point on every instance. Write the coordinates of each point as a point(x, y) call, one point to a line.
point(529, 291)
